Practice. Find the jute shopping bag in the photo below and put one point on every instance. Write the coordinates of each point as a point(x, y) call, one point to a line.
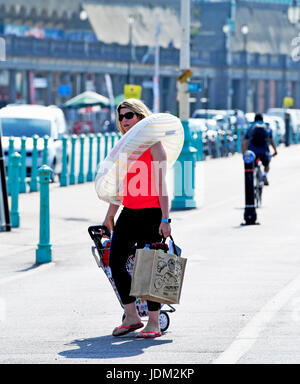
point(158, 276)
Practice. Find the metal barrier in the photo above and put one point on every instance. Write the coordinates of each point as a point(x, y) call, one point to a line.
point(81, 155)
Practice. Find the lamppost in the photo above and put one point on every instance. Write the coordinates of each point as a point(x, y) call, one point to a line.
point(245, 31)
point(184, 171)
point(130, 21)
point(294, 12)
point(83, 17)
point(227, 32)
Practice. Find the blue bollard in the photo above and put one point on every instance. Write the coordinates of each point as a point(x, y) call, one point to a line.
point(72, 178)
point(43, 252)
point(34, 166)
point(81, 177)
point(90, 176)
point(64, 171)
point(15, 188)
point(23, 185)
point(10, 154)
point(184, 174)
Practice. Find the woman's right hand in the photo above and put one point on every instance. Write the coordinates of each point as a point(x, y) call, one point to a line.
point(109, 218)
point(106, 223)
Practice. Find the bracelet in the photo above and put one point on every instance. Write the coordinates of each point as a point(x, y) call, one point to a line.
point(166, 220)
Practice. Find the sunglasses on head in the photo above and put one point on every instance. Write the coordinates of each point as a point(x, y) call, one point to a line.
point(127, 115)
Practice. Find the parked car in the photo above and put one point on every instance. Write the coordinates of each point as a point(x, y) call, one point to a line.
point(28, 120)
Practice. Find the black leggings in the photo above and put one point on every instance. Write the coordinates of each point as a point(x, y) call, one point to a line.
point(133, 226)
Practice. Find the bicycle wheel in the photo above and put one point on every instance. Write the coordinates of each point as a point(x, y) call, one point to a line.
point(164, 321)
point(259, 183)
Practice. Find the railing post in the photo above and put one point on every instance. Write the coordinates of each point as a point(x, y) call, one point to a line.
point(15, 187)
point(23, 185)
point(218, 151)
point(81, 178)
point(64, 171)
point(113, 139)
point(225, 148)
point(297, 134)
point(10, 154)
point(98, 137)
point(238, 140)
point(106, 137)
point(43, 252)
point(200, 146)
point(45, 151)
point(90, 175)
point(34, 165)
point(72, 168)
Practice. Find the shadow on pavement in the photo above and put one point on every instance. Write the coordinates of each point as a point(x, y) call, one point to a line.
point(109, 347)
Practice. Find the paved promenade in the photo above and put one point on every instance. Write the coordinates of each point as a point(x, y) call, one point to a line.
point(241, 295)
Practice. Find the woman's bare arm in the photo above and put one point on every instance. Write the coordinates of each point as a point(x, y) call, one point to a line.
point(159, 158)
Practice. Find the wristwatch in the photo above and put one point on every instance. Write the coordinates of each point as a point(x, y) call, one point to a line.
point(166, 220)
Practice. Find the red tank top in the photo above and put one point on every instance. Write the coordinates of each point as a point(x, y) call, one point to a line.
point(139, 187)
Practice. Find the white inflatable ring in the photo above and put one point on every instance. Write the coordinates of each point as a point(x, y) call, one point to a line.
point(162, 127)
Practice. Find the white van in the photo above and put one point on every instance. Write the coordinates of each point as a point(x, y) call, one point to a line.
point(294, 116)
point(28, 120)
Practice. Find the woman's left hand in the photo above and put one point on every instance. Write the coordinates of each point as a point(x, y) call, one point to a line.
point(165, 229)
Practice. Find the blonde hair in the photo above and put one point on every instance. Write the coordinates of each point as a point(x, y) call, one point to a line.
point(136, 106)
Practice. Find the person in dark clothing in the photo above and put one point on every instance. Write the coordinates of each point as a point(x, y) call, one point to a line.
point(258, 139)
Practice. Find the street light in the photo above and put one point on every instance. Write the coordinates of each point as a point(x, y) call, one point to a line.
point(130, 21)
point(245, 31)
point(294, 12)
point(83, 15)
point(227, 31)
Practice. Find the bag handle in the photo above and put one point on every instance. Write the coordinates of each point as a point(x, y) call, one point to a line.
point(98, 230)
point(164, 240)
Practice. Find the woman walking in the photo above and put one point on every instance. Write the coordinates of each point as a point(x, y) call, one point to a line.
point(144, 219)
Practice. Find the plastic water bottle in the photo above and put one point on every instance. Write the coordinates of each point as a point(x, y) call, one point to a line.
point(147, 246)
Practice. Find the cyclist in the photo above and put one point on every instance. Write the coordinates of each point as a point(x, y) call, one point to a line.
point(258, 138)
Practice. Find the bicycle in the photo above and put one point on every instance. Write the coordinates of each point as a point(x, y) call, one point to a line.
point(258, 180)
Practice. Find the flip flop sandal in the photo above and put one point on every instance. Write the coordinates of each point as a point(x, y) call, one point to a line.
point(148, 334)
point(127, 329)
